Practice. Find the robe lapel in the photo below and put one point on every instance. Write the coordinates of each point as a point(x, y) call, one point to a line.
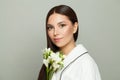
point(77, 52)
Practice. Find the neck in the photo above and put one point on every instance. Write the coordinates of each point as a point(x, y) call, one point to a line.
point(67, 48)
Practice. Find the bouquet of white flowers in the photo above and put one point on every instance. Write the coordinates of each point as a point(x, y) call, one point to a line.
point(53, 62)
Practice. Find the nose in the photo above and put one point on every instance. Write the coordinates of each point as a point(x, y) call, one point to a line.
point(56, 32)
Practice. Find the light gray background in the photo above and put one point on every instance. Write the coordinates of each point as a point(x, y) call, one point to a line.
point(22, 35)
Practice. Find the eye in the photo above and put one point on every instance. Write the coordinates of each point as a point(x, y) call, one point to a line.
point(62, 25)
point(49, 28)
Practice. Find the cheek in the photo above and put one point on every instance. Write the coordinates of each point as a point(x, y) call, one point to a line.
point(50, 35)
point(68, 32)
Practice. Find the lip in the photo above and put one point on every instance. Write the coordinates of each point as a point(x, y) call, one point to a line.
point(57, 39)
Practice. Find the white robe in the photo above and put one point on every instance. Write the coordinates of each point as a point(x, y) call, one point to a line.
point(78, 65)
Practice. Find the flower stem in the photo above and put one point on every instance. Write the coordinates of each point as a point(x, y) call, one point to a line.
point(47, 71)
point(49, 74)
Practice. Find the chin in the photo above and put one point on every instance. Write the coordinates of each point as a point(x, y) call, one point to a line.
point(59, 45)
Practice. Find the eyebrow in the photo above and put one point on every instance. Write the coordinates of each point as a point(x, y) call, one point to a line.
point(61, 22)
point(49, 25)
point(57, 23)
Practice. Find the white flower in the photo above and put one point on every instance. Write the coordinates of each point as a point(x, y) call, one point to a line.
point(55, 66)
point(55, 57)
point(53, 61)
point(45, 62)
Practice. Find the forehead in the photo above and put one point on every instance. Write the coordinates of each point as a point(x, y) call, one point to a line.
point(55, 17)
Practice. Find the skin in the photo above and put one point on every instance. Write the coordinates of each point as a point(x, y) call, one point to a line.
point(60, 30)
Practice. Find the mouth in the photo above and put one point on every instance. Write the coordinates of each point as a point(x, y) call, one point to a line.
point(57, 39)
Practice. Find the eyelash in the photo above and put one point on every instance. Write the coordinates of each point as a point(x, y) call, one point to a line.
point(62, 25)
point(50, 28)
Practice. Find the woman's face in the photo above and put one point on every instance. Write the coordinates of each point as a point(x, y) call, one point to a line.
point(60, 30)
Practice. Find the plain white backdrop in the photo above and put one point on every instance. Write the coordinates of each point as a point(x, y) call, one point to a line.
point(22, 35)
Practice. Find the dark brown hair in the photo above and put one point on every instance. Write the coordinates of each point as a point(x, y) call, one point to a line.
point(63, 10)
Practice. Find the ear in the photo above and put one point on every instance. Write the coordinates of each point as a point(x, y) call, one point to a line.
point(75, 27)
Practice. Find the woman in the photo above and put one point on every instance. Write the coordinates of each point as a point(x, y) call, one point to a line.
point(62, 33)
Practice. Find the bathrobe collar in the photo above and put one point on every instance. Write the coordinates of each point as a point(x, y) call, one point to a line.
point(78, 51)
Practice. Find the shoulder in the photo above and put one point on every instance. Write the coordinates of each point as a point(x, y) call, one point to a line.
point(86, 58)
point(84, 68)
point(88, 68)
point(85, 61)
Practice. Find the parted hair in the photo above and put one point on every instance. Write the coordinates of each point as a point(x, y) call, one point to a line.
point(68, 12)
